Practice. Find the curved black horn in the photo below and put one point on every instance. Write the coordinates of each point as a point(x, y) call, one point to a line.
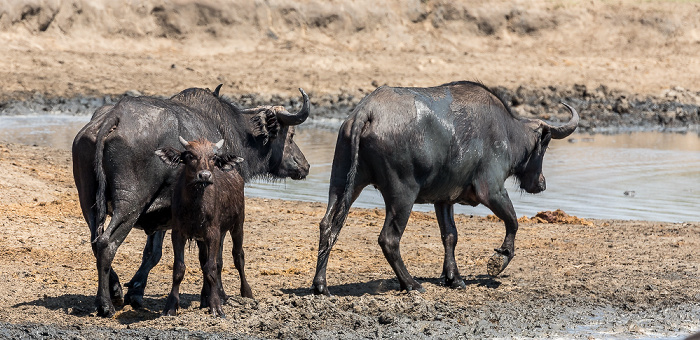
point(295, 118)
point(563, 131)
point(216, 92)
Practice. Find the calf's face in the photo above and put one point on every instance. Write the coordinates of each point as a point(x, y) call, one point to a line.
point(199, 159)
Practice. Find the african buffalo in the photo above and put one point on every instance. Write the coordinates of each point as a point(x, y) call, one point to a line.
point(454, 143)
point(116, 172)
point(207, 203)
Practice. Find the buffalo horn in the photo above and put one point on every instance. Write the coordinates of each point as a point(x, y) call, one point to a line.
point(216, 92)
point(219, 144)
point(562, 131)
point(183, 141)
point(287, 118)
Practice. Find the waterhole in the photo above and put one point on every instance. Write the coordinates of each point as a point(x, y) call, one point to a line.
point(634, 176)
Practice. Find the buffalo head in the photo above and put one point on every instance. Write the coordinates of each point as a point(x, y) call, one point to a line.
point(530, 172)
point(274, 128)
point(199, 158)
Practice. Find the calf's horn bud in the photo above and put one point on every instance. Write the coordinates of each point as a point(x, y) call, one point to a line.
point(183, 141)
point(219, 144)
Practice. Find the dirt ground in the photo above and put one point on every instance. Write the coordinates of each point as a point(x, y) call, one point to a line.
point(597, 278)
point(589, 279)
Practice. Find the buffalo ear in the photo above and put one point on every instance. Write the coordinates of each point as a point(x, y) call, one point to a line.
point(266, 124)
point(169, 156)
point(545, 133)
point(228, 162)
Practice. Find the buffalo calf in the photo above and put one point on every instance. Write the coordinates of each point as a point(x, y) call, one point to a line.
point(207, 202)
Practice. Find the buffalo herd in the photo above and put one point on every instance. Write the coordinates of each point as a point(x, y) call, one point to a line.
point(181, 164)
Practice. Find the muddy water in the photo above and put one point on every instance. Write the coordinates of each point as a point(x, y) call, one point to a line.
point(640, 176)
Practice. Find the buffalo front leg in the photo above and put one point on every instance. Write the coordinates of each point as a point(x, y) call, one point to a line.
point(448, 233)
point(210, 270)
point(204, 295)
point(206, 289)
point(398, 210)
point(502, 207)
point(152, 253)
point(173, 302)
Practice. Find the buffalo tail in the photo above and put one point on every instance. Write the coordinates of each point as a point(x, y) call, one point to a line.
point(100, 201)
point(355, 134)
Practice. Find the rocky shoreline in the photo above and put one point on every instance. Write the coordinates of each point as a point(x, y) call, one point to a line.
point(602, 110)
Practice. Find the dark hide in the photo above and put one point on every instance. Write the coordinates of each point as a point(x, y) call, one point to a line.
point(455, 143)
point(207, 203)
point(116, 172)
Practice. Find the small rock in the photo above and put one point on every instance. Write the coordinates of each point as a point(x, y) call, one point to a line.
point(386, 319)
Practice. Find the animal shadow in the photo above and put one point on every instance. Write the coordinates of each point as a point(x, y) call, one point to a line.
point(381, 286)
point(353, 289)
point(83, 305)
point(469, 280)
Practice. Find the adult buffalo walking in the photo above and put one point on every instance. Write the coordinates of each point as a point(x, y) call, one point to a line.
point(454, 143)
point(117, 173)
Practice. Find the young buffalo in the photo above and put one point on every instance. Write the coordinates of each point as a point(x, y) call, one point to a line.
point(207, 202)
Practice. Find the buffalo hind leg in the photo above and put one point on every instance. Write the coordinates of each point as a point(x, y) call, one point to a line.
point(329, 229)
point(448, 233)
point(105, 248)
point(398, 210)
point(152, 253)
point(115, 288)
point(502, 207)
point(239, 260)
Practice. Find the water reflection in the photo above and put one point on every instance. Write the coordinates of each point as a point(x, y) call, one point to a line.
point(640, 176)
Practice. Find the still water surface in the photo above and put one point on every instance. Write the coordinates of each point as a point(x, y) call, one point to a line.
point(641, 176)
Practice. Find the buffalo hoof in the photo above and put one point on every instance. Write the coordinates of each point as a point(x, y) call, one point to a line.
point(456, 284)
point(417, 287)
point(105, 311)
point(320, 290)
point(420, 289)
point(135, 301)
point(217, 312)
point(497, 263)
point(169, 312)
point(116, 295)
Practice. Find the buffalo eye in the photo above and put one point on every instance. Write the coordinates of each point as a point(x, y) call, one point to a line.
point(186, 157)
